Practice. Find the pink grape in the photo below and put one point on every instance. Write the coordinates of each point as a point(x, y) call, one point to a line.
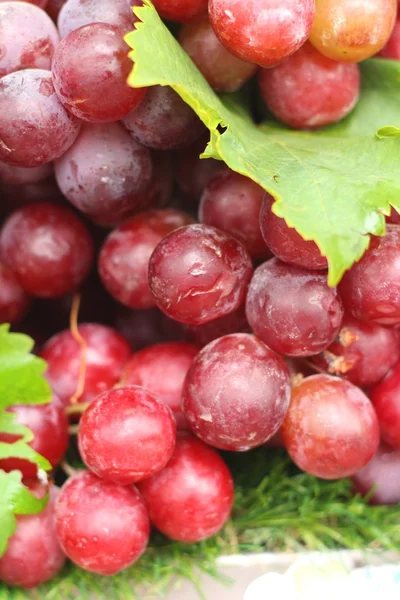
point(102, 527)
point(385, 397)
point(90, 69)
point(392, 48)
point(191, 498)
point(77, 13)
point(382, 473)
point(293, 310)
point(35, 128)
point(198, 274)
point(331, 429)
point(105, 173)
point(126, 435)
point(14, 302)
point(222, 408)
point(262, 31)
point(48, 249)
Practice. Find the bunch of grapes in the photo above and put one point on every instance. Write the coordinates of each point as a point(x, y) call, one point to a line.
point(200, 305)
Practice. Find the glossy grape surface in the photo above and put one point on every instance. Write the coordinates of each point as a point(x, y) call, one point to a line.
point(262, 31)
point(106, 356)
point(385, 397)
point(102, 527)
point(35, 128)
point(198, 274)
point(191, 498)
point(125, 254)
point(331, 429)
point(293, 310)
point(105, 173)
point(48, 249)
point(221, 405)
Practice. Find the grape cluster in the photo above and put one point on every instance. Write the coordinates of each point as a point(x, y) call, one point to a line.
point(200, 306)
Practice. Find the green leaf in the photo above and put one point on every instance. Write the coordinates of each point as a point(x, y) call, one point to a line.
point(333, 186)
point(15, 499)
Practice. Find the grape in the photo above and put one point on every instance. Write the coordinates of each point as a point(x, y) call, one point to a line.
point(293, 310)
point(125, 255)
point(105, 173)
point(90, 69)
point(106, 356)
point(28, 37)
point(232, 203)
point(286, 243)
point(392, 47)
point(234, 322)
point(163, 120)
point(126, 435)
point(236, 393)
point(47, 248)
point(23, 176)
point(53, 8)
point(383, 473)
point(352, 30)
point(33, 554)
point(193, 173)
point(198, 274)
point(394, 217)
point(102, 527)
point(309, 90)
point(262, 31)
point(49, 425)
point(363, 352)
point(223, 71)
point(35, 128)
point(371, 289)
point(143, 327)
point(385, 397)
point(40, 3)
point(14, 302)
point(77, 13)
point(331, 429)
point(181, 10)
point(191, 498)
point(162, 369)
point(159, 192)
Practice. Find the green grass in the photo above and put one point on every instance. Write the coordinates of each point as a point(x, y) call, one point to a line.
point(277, 508)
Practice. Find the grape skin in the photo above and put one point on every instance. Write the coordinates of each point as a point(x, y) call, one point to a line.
point(14, 302)
point(385, 397)
point(382, 473)
point(392, 48)
point(181, 10)
point(77, 13)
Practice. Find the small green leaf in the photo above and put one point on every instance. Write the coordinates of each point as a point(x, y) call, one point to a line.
point(20, 449)
point(15, 499)
point(388, 131)
point(333, 186)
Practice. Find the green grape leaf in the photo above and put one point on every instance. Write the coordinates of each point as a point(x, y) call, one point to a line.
point(15, 499)
point(333, 186)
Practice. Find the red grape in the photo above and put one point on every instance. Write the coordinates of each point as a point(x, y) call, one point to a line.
point(49, 425)
point(286, 243)
point(77, 13)
point(394, 217)
point(28, 37)
point(223, 71)
point(363, 352)
point(53, 7)
point(126, 435)
point(235, 322)
point(35, 128)
point(262, 31)
point(33, 554)
point(236, 393)
point(352, 30)
point(293, 310)
point(383, 473)
point(39, 3)
point(191, 498)
point(163, 120)
point(90, 69)
point(162, 369)
point(102, 527)
point(106, 356)
point(331, 429)
point(14, 302)
point(47, 248)
point(22, 176)
point(371, 289)
point(232, 203)
point(392, 47)
point(193, 173)
point(105, 173)
point(181, 10)
point(198, 274)
point(385, 397)
point(124, 257)
point(309, 90)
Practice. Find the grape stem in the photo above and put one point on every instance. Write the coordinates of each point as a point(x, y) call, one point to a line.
point(77, 408)
point(66, 467)
point(79, 339)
